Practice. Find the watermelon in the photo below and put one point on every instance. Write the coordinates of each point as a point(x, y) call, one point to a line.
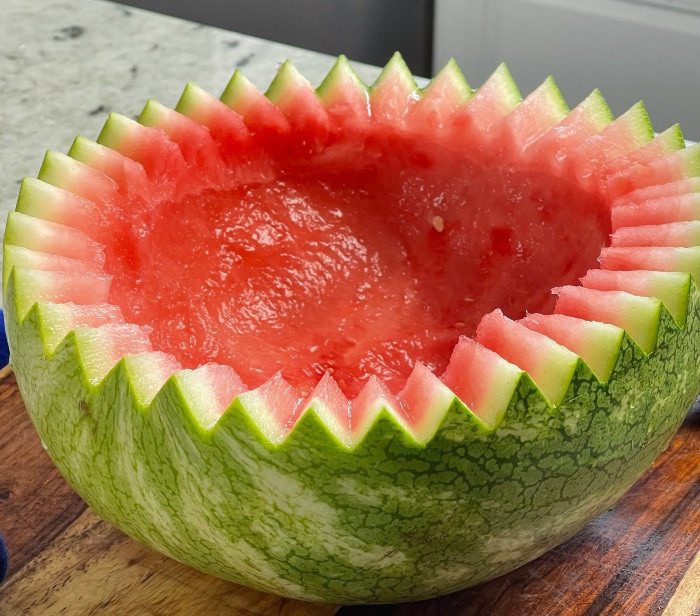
point(358, 344)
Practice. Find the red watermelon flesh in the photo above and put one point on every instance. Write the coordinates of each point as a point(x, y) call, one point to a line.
point(307, 272)
point(348, 234)
point(400, 338)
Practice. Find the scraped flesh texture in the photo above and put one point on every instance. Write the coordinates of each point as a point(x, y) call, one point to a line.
point(360, 259)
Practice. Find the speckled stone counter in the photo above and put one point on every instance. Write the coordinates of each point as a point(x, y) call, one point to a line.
point(64, 64)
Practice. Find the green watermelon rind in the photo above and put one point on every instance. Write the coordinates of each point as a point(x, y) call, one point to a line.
point(638, 119)
point(283, 80)
point(556, 98)
point(237, 86)
point(673, 138)
point(371, 519)
point(454, 75)
point(691, 158)
point(600, 110)
point(398, 514)
point(340, 70)
point(397, 68)
point(508, 88)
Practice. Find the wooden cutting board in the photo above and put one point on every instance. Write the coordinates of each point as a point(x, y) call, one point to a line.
point(639, 558)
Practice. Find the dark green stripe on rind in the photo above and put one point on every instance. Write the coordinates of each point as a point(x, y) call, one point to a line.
point(388, 521)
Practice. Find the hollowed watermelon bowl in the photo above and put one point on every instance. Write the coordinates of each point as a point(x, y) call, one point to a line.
point(358, 344)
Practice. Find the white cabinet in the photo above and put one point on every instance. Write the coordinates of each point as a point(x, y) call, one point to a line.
point(629, 49)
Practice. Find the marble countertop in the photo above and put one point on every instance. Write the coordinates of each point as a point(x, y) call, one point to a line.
point(64, 64)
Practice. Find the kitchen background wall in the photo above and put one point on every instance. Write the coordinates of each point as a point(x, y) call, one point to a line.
point(630, 49)
point(364, 30)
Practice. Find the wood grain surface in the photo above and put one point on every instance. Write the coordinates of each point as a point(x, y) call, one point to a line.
point(629, 561)
point(640, 558)
point(91, 568)
point(36, 504)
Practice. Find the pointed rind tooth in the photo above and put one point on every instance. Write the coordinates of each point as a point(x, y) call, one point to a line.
point(656, 211)
point(237, 85)
point(114, 130)
point(674, 188)
point(101, 348)
point(506, 84)
point(197, 389)
point(108, 161)
point(366, 407)
point(639, 316)
point(287, 80)
point(633, 123)
point(588, 118)
point(598, 344)
point(48, 171)
point(58, 320)
point(34, 194)
point(474, 370)
point(601, 110)
point(341, 69)
point(37, 286)
point(456, 78)
point(673, 138)
point(680, 166)
point(434, 400)
point(550, 365)
point(684, 259)
point(628, 438)
point(19, 256)
point(446, 94)
point(524, 126)
point(190, 98)
point(397, 66)
point(150, 113)
point(489, 105)
point(199, 398)
point(54, 238)
point(147, 373)
point(65, 172)
point(639, 118)
point(331, 407)
point(244, 98)
point(672, 288)
point(657, 148)
point(136, 142)
point(558, 103)
point(201, 106)
point(256, 405)
point(42, 200)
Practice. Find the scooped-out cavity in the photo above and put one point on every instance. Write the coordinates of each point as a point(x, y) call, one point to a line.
point(363, 258)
